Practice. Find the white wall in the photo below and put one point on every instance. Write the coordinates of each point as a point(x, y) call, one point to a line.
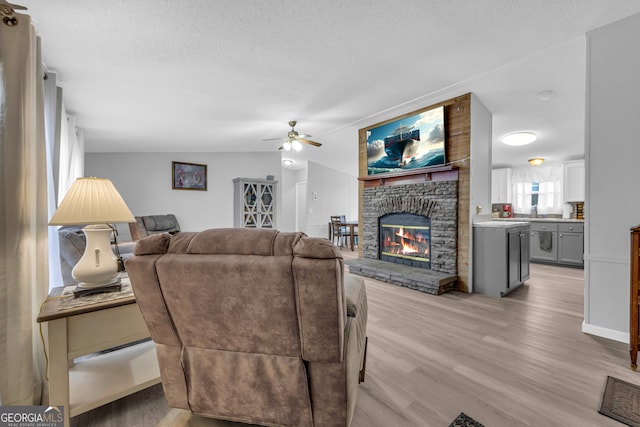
point(611, 153)
point(481, 133)
point(480, 191)
point(144, 181)
point(329, 192)
point(287, 189)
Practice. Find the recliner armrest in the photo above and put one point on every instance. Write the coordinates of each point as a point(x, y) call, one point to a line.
point(355, 295)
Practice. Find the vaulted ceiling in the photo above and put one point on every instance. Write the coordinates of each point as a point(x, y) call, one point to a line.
point(198, 75)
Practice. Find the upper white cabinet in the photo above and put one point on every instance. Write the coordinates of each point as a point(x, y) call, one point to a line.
point(501, 189)
point(574, 181)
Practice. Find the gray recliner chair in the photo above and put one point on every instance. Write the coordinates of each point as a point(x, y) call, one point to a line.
point(153, 224)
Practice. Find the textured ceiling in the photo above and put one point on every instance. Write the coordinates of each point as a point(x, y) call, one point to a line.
point(151, 75)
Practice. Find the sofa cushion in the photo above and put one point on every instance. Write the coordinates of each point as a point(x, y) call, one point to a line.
point(72, 243)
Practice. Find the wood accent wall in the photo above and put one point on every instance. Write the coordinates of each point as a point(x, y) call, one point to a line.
point(457, 114)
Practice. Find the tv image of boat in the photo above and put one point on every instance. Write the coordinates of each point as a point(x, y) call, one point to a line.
point(399, 144)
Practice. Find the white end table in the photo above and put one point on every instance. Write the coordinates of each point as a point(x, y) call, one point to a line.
point(87, 329)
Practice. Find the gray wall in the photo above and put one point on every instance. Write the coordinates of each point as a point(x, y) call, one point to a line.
point(612, 151)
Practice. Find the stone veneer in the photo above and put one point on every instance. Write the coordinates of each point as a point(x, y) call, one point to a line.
point(437, 200)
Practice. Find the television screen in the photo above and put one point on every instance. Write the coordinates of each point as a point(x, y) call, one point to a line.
point(413, 142)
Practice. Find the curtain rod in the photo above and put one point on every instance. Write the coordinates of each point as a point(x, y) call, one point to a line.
point(7, 12)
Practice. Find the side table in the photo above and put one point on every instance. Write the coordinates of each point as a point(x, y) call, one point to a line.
point(87, 329)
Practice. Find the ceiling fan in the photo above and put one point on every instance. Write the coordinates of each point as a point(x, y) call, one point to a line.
point(294, 140)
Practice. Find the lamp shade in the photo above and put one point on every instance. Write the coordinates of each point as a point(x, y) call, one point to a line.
point(92, 201)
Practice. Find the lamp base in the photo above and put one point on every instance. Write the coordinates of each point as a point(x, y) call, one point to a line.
point(114, 282)
point(79, 291)
point(98, 265)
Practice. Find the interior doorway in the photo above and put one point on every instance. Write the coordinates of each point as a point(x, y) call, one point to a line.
point(301, 206)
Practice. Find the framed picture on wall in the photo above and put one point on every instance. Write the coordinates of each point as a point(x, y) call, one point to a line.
point(189, 176)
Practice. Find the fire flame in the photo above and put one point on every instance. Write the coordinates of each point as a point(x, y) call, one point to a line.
point(407, 247)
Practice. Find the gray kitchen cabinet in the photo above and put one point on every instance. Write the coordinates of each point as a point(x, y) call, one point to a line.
point(560, 243)
point(518, 252)
point(571, 244)
point(500, 257)
point(544, 242)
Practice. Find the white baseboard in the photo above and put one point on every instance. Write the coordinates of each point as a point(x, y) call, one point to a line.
point(605, 333)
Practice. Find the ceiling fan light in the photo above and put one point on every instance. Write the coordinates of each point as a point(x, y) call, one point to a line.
point(536, 161)
point(519, 138)
point(297, 146)
point(287, 162)
point(287, 146)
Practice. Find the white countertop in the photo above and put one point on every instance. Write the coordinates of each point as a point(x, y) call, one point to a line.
point(539, 219)
point(501, 224)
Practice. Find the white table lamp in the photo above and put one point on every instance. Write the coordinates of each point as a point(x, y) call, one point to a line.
point(96, 203)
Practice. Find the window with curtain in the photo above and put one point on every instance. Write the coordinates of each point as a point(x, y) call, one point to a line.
point(65, 143)
point(539, 186)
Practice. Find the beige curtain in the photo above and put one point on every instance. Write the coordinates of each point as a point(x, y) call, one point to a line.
point(23, 214)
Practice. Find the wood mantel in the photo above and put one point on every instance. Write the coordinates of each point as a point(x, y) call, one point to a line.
point(437, 173)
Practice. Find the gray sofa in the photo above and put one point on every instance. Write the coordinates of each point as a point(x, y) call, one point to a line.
point(153, 224)
point(72, 243)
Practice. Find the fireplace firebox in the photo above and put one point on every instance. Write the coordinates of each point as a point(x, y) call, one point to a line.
point(405, 238)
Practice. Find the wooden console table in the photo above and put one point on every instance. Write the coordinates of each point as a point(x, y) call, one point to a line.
point(78, 331)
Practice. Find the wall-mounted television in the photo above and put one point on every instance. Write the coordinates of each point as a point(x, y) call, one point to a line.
point(413, 142)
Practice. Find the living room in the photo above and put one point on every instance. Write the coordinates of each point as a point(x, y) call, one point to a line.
point(331, 184)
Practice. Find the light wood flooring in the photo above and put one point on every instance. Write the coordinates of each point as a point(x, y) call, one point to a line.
point(521, 360)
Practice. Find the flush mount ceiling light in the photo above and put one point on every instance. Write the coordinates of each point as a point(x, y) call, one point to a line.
point(536, 161)
point(287, 162)
point(519, 138)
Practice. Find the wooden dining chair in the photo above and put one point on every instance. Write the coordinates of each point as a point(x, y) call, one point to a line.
point(337, 231)
point(347, 229)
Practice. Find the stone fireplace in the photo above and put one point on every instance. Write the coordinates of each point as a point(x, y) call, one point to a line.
point(444, 192)
point(429, 213)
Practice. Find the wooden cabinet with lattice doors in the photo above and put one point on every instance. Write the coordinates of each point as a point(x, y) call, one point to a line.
point(255, 203)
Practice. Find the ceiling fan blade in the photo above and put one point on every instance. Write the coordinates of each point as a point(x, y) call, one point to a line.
point(275, 139)
point(308, 141)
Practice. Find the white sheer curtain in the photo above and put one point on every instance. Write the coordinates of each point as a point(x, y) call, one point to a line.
point(71, 153)
point(65, 163)
point(52, 104)
point(23, 213)
point(549, 178)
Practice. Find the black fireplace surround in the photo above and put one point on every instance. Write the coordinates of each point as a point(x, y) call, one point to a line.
point(405, 238)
